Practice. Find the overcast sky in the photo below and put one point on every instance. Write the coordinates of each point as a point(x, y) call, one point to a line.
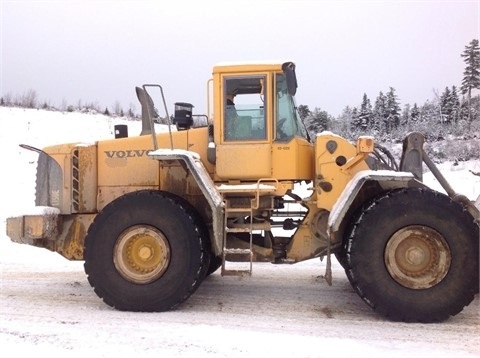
point(98, 51)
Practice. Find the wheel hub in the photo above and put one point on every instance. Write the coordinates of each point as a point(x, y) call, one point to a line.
point(141, 254)
point(417, 257)
point(145, 253)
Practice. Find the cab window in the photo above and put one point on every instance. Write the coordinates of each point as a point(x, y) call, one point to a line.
point(288, 123)
point(244, 108)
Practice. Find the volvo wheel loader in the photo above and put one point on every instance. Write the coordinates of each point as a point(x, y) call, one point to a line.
point(153, 215)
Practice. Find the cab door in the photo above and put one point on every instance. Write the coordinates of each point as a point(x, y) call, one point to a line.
point(243, 141)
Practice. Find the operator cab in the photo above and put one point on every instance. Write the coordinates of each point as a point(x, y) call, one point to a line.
point(259, 133)
point(245, 117)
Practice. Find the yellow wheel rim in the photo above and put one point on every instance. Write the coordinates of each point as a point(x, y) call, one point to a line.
point(141, 254)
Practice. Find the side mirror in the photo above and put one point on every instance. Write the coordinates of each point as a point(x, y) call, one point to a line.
point(289, 70)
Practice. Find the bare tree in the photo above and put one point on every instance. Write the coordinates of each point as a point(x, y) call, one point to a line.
point(27, 99)
point(117, 109)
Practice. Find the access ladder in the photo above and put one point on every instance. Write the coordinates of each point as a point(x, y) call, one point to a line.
point(234, 212)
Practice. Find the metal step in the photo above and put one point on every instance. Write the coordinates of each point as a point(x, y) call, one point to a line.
point(247, 227)
point(237, 229)
point(241, 273)
point(246, 210)
point(247, 188)
point(237, 251)
point(237, 272)
point(232, 227)
point(243, 229)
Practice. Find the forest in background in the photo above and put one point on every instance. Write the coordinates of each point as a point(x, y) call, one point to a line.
point(451, 119)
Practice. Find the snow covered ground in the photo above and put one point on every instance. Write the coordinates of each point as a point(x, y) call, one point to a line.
point(48, 307)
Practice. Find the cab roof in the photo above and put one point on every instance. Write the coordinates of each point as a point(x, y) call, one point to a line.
point(249, 66)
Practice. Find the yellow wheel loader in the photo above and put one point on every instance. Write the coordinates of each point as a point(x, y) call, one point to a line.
point(152, 215)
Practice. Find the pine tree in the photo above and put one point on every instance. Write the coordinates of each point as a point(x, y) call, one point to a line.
point(379, 113)
point(322, 118)
point(303, 111)
point(415, 113)
point(393, 111)
point(471, 75)
point(455, 101)
point(446, 105)
point(317, 121)
point(343, 122)
point(405, 119)
point(354, 122)
point(450, 106)
point(365, 116)
point(429, 116)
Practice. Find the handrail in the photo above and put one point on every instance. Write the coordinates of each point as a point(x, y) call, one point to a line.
point(152, 125)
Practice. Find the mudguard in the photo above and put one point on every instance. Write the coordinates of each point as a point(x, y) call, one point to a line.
point(388, 179)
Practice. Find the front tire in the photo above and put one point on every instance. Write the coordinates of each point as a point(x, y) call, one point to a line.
point(215, 264)
point(412, 255)
point(146, 251)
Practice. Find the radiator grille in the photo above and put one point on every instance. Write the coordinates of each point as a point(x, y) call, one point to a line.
point(75, 181)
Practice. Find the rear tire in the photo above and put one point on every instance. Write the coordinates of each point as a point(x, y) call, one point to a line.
point(145, 251)
point(412, 255)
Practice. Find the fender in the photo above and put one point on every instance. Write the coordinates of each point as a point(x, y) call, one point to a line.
point(205, 183)
point(388, 179)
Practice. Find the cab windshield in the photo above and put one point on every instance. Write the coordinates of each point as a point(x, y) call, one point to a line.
point(288, 123)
